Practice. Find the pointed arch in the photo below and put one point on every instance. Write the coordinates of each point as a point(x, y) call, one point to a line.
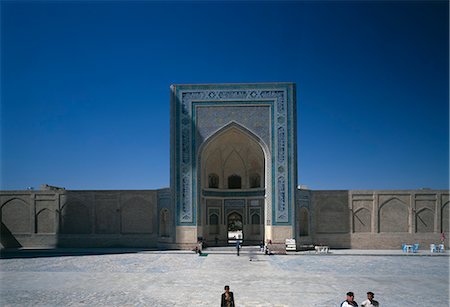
point(255, 221)
point(235, 220)
point(236, 146)
point(14, 199)
point(425, 220)
point(362, 220)
point(242, 154)
point(45, 221)
point(213, 221)
point(392, 199)
point(235, 125)
point(75, 218)
point(16, 216)
point(393, 216)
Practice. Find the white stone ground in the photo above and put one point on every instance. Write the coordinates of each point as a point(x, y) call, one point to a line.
point(176, 278)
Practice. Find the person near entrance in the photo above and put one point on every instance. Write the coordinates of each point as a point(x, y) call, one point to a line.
point(268, 247)
point(199, 247)
point(227, 298)
point(238, 246)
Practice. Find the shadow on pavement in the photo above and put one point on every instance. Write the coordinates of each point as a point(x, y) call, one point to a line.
point(69, 252)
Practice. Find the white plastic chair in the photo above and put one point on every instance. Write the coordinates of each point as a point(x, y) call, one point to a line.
point(433, 248)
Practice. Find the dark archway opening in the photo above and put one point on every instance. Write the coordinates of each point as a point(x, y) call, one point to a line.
point(235, 227)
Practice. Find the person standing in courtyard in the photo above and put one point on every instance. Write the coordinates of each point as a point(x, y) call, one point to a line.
point(238, 246)
point(349, 302)
point(227, 298)
point(370, 302)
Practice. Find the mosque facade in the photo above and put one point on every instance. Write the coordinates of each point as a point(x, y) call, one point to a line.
point(233, 176)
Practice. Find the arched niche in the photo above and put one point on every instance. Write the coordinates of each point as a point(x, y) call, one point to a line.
point(213, 169)
point(303, 220)
point(234, 181)
point(255, 180)
point(213, 223)
point(232, 151)
point(255, 220)
point(362, 220)
point(164, 223)
point(425, 220)
point(45, 221)
point(16, 216)
point(234, 221)
point(213, 181)
point(393, 216)
point(75, 218)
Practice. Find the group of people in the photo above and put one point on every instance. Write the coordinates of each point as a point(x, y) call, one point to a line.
point(228, 299)
point(369, 302)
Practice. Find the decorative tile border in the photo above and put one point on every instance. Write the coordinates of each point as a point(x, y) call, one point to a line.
point(188, 137)
point(234, 193)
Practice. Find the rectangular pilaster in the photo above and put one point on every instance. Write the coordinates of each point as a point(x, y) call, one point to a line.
point(375, 217)
point(412, 212)
point(438, 212)
point(33, 214)
point(351, 212)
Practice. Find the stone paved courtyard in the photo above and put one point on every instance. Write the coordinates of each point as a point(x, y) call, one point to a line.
point(180, 278)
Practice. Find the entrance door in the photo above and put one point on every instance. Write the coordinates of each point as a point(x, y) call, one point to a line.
point(235, 227)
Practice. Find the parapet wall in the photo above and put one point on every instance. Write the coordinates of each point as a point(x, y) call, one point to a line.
point(363, 219)
point(60, 218)
point(372, 219)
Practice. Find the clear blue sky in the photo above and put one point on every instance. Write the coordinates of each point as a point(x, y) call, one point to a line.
point(85, 87)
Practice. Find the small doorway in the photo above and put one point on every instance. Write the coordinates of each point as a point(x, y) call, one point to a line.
point(235, 227)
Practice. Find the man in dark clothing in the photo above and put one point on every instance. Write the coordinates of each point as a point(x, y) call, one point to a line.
point(349, 302)
point(227, 298)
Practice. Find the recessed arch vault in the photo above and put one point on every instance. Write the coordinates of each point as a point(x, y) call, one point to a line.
point(242, 162)
point(233, 150)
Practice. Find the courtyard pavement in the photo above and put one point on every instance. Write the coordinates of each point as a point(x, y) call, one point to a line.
point(132, 277)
